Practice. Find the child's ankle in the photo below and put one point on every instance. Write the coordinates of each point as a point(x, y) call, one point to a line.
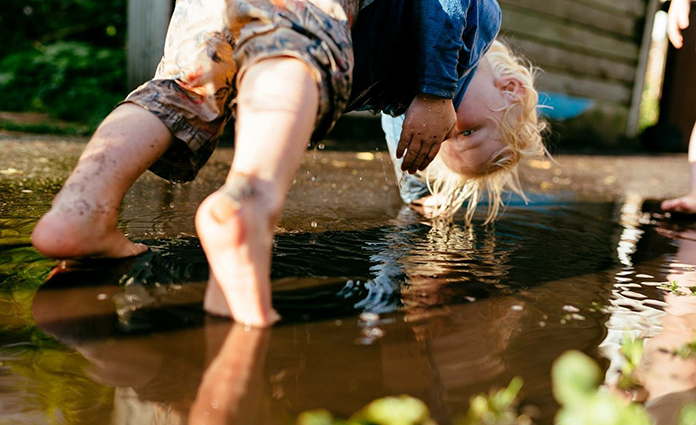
point(241, 190)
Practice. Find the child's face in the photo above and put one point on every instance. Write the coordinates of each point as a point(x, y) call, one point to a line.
point(476, 143)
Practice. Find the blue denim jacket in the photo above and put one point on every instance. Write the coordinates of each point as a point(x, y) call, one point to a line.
point(448, 74)
point(455, 35)
point(406, 47)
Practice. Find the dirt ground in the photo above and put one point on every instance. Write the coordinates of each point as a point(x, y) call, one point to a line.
point(582, 177)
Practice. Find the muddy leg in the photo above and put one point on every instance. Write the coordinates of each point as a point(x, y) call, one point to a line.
point(82, 220)
point(277, 106)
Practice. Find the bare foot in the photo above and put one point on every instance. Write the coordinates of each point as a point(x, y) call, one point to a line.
point(685, 204)
point(237, 239)
point(214, 301)
point(82, 221)
point(82, 232)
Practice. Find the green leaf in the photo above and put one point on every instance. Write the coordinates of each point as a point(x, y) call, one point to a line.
point(402, 410)
point(576, 380)
point(575, 377)
point(316, 417)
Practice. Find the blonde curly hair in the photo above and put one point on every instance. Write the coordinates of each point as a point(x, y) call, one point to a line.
point(520, 129)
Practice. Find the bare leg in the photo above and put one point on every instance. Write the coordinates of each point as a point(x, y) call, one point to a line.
point(686, 204)
point(277, 106)
point(83, 218)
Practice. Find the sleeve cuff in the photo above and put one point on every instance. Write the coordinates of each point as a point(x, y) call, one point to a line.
point(438, 89)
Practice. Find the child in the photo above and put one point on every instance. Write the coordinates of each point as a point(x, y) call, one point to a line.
point(677, 20)
point(499, 126)
point(282, 69)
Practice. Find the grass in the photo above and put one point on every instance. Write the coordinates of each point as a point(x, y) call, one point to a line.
point(57, 128)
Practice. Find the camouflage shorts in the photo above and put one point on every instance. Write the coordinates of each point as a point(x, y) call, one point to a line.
point(210, 44)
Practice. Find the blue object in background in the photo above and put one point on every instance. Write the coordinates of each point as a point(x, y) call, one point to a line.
point(561, 107)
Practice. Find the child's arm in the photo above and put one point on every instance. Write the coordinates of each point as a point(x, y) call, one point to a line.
point(411, 188)
point(678, 20)
point(431, 117)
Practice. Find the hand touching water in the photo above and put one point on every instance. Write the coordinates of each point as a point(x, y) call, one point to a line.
point(678, 20)
point(429, 121)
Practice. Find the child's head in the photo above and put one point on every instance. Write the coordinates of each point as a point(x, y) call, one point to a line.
point(497, 125)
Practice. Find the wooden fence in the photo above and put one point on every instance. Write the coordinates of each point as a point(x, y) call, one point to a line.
point(147, 26)
point(591, 49)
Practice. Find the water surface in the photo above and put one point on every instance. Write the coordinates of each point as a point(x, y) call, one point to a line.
point(374, 300)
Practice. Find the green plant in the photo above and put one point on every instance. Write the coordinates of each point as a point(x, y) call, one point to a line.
point(496, 408)
point(688, 415)
point(28, 23)
point(632, 352)
point(672, 287)
point(69, 80)
point(675, 289)
point(576, 381)
point(686, 351)
point(47, 128)
point(402, 410)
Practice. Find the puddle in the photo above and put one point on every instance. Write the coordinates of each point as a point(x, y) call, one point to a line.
point(375, 303)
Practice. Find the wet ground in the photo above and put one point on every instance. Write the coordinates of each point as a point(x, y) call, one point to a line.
point(375, 301)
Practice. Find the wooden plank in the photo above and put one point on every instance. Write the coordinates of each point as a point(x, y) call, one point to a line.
point(585, 87)
point(611, 22)
point(556, 59)
point(632, 7)
point(147, 27)
point(602, 126)
point(641, 69)
point(572, 37)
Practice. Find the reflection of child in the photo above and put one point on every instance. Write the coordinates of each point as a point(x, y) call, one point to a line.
point(669, 378)
point(678, 19)
point(282, 70)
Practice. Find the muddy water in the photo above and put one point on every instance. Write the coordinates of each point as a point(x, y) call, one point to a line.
point(375, 301)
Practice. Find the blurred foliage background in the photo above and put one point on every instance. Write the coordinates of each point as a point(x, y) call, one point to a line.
point(63, 58)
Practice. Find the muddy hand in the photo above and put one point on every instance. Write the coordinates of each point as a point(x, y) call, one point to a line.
point(429, 121)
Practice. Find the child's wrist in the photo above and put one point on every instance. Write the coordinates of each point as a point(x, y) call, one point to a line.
point(427, 97)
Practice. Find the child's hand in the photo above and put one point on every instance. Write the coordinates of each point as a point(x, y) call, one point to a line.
point(678, 20)
point(429, 121)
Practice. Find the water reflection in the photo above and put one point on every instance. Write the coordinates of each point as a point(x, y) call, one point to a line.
point(162, 368)
point(668, 371)
point(233, 387)
point(440, 314)
point(458, 312)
